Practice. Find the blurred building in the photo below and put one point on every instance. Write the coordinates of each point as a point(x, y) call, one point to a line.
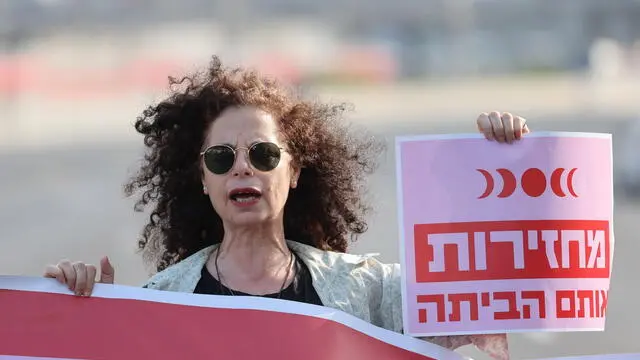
point(404, 39)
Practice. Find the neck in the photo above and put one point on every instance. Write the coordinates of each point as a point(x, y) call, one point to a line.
point(252, 259)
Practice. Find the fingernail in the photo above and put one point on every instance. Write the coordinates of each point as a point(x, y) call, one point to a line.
point(86, 293)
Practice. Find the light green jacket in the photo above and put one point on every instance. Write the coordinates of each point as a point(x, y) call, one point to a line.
point(359, 285)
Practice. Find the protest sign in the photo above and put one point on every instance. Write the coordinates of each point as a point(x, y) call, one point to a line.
point(40, 318)
point(505, 237)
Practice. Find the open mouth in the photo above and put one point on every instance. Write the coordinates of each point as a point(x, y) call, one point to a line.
point(245, 195)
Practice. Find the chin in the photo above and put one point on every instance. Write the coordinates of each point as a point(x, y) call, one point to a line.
point(250, 218)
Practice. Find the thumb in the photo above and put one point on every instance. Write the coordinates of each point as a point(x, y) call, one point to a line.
point(106, 271)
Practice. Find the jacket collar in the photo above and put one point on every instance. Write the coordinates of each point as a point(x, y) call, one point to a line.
point(184, 275)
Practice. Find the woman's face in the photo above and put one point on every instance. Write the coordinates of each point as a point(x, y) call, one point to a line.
point(245, 195)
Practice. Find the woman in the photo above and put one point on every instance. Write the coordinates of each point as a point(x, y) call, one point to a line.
point(256, 192)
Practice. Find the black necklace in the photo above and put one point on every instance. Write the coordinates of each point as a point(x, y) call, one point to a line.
point(231, 291)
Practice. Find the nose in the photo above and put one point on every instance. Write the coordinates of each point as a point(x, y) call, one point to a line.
point(242, 166)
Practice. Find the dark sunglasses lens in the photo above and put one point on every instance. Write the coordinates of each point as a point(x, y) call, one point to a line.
point(219, 159)
point(264, 156)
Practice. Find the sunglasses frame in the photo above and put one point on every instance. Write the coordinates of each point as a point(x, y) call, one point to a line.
point(248, 151)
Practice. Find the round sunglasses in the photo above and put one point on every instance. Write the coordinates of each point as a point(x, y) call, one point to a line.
point(263, 156)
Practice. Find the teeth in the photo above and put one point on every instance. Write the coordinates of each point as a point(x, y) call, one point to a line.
point(244, 197)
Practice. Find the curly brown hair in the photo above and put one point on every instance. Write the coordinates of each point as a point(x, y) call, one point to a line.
point(324, 211)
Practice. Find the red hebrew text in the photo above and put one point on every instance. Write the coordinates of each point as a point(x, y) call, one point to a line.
point(512, 250)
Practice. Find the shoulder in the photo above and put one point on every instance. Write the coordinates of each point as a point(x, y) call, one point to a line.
point(358, 284)
point(341, 263)
point(182, 276)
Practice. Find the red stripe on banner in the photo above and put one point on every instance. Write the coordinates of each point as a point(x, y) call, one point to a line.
point(56, 325)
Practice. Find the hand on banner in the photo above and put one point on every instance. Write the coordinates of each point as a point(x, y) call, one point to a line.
point(504, 127)
point(80, 277)
point(494, 345)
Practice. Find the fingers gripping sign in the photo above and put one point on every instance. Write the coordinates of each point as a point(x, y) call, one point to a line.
point(80, 277)
point(503, 128)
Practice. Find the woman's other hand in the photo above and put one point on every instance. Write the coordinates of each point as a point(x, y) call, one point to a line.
point(502, 128)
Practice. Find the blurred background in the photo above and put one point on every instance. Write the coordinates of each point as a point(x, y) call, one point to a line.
point(75, 74)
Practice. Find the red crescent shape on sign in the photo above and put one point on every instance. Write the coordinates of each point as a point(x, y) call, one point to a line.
point(570, 182)
point(555, 184)
point(490, 183)
point(509, 181)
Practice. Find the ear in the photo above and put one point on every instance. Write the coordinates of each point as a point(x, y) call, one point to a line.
point(204, 184)
point(295, 175)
